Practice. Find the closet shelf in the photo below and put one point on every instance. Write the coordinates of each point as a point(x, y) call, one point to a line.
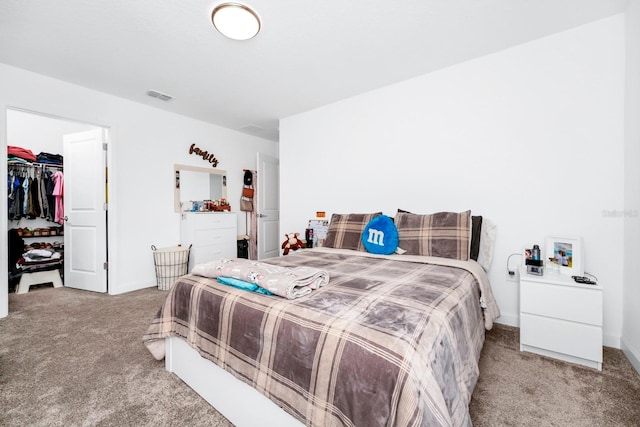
point(41, 232)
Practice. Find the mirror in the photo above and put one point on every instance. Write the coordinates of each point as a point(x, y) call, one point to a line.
point(194, 183)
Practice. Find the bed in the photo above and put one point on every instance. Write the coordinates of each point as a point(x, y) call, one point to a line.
point(390, 340)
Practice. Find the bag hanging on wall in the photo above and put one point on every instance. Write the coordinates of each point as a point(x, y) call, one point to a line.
point(248, 177)
point(246, 205)
point(247, 192)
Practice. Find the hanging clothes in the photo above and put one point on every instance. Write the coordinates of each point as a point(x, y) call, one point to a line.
point(15, 198)
point(25, 200)
point(30, 191)
point(33, 205)
point(58, 193)
point(18, 199)
point(42, 194)
point(51, 200)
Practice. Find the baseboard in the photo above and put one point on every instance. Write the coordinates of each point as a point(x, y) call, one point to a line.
point(632, 354)
point(508, 319)
point(611, 341)
point(130, 287)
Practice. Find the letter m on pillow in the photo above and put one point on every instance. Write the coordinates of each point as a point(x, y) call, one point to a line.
point(380, 236)
point(376, 237)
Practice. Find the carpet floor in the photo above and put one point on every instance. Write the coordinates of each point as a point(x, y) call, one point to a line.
point(75, 358)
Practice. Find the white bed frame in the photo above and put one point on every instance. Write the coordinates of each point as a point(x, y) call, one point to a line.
point(238, 402)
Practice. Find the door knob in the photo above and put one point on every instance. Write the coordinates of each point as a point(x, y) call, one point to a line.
point(65, 218)
point(262, 216)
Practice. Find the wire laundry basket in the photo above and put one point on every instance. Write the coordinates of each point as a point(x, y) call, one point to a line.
point(171, 263)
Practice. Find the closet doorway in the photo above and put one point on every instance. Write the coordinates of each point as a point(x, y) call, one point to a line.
point(83, 220)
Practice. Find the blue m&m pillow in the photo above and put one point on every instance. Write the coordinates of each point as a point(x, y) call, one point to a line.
point(380, 236)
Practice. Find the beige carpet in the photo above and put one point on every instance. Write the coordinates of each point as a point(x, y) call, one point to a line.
point(523, 389)
point(74, 358)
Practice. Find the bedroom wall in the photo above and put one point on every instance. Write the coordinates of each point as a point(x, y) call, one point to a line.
point(145, 144)
point(530, 137)
point(631, 291)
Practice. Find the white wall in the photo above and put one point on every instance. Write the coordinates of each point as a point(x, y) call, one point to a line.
point(530, 137)
point(145, 144)
point(631, 291)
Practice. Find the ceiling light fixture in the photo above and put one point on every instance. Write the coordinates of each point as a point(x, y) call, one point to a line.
point(236, 21)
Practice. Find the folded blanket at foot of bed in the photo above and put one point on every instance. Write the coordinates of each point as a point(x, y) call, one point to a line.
point(282, 281)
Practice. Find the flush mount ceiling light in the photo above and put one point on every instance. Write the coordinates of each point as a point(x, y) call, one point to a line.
point(236, 21)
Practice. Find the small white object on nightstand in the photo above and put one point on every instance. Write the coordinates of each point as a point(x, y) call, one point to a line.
point(560, 318)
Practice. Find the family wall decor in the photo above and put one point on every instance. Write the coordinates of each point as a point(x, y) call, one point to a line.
point(204, 154)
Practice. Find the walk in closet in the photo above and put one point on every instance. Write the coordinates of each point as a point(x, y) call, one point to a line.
point(35, 191)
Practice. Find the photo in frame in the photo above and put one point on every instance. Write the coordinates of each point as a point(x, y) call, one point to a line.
point(564, 254)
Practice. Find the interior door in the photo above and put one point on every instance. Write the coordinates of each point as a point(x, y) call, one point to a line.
point(85, 228)
point(268, 202)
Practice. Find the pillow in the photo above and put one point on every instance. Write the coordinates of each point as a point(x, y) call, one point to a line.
point(345, 230)
point(476, 230)
point(487, 243)
point(380, 236)
point(443, 234)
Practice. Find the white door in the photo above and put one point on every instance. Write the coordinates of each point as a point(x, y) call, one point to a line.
point(268, 201)
point(85, 227)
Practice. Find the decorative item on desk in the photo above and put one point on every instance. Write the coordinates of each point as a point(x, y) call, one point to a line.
point(535, 267)
point(564, 254)
point(220, 205)
point(535, 253)
point(533, 261)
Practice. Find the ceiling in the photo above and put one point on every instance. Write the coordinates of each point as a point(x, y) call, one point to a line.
point(308, 53)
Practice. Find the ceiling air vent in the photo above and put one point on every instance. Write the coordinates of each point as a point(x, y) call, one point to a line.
point(251, 128)
point(161, 96)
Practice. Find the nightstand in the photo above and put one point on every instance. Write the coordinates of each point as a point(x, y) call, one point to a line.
point(560, 318)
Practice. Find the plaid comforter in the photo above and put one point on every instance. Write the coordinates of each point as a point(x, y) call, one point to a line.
point(385, 343)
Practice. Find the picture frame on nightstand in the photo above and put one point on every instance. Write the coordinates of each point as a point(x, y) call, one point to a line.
point(564, 255)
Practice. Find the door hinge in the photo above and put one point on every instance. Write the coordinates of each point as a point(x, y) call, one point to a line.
point(106, 265)
point(104, 146)
point(105, 206)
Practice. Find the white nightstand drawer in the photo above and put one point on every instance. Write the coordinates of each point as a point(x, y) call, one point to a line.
point(577, 304)
point(576, 339)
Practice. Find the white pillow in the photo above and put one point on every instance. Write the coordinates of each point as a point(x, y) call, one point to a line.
point(487, 243)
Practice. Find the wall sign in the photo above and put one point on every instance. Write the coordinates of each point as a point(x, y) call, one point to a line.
point(204, 154)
